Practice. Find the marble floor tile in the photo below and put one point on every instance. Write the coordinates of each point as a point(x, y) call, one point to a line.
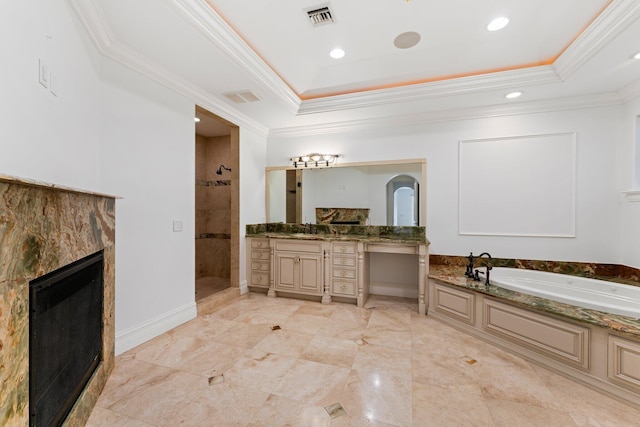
point(101, 417)
point(378, 395)
point(438, 407)
point(280, 411)
point(506, 413)
point(284, 342)
point(304, 323)
point(332, 351)
point(315, 383)
point(259, 370)
point(315, 309)
point(383, 365)
point(243, 334)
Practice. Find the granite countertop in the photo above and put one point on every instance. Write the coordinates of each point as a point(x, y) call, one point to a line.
point(454, 275)
point(324, 232)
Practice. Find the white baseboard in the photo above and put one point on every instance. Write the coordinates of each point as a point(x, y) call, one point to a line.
point(393, 289)
point(244, 288)
point(139, 334)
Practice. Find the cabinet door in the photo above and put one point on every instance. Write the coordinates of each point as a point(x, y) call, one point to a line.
point(286, 266)
point(310, 274)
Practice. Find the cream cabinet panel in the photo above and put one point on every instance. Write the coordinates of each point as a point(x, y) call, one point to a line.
point(258, 262)
point(298, 267)
point(624, 362)
point(343, 269)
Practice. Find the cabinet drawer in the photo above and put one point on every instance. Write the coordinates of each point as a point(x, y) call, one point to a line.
point(343, 248)
point(298, 246)
point(344, 273)
point(260, 243)
point(346, 261)
point(260, 265)
point(259, 254)
point(259, 278)
point(344, 287)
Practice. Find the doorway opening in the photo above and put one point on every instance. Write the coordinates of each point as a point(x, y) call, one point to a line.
point(216, 209)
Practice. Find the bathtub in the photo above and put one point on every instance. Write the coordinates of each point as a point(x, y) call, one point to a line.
point(608, 297)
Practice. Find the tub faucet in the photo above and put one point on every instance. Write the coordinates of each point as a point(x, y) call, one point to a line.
point(474, 274)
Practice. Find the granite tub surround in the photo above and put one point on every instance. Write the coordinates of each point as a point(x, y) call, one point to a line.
point(358, 216)
point(450, 269)
point(611, 272)
point(364, 233)
point(44, 227)
point(454, 275)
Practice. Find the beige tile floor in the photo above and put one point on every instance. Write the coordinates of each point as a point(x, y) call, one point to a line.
point(337, 365)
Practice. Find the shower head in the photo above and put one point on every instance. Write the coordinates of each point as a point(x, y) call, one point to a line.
point(219, 171)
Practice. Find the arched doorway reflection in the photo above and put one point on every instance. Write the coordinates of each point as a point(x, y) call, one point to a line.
point(402, 201)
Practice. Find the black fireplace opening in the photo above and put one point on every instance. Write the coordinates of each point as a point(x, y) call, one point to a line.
point(65, 337)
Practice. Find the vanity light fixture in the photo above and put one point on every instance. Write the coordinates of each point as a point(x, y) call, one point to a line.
point(314, 160)
point(498, 23)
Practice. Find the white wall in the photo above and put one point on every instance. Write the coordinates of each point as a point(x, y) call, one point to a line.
point(108, 130)
point(597, 207)
point(628, 158)
point(44, 137)
point(253, 154)
point(148, 158)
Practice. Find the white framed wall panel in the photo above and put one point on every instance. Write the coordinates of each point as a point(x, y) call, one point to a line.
point(518, 186)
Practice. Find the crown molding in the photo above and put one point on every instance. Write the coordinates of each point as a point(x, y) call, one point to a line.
point(607, 26)
point(403, 121)
point(94, 22)
point(630, 92)
point(202, 17)
point(483, 82)
point(93, 19)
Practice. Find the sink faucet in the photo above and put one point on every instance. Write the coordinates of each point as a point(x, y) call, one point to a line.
point(474, 274)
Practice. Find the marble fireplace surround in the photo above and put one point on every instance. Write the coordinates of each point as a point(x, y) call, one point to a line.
point(44, 227)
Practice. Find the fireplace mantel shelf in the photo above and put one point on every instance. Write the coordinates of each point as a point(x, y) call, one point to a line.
point(42, 184)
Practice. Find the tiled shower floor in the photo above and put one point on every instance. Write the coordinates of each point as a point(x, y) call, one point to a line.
point(283, 362)
point(207, 286)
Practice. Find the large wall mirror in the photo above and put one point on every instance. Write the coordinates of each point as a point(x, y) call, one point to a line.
point(294, 194)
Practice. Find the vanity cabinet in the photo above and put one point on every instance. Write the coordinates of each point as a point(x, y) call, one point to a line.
point(298, 266)
point(344, 273)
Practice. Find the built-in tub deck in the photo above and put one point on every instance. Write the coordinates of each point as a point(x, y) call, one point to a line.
point(601, 350)
point(454, 275)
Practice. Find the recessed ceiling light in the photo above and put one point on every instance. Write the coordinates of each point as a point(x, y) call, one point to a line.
point(635, 55)
point(336, 53)
point(498, 23)
point(512, 95)
point(196, 119)
point(406, 40)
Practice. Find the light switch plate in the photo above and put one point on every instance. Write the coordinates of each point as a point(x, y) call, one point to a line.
point(177, 226)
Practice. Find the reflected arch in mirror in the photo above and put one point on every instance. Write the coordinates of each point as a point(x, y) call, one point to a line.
point(403, 205)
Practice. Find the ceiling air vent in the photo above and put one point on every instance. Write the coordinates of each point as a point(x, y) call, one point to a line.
point(320, 15)
point(242, 97)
